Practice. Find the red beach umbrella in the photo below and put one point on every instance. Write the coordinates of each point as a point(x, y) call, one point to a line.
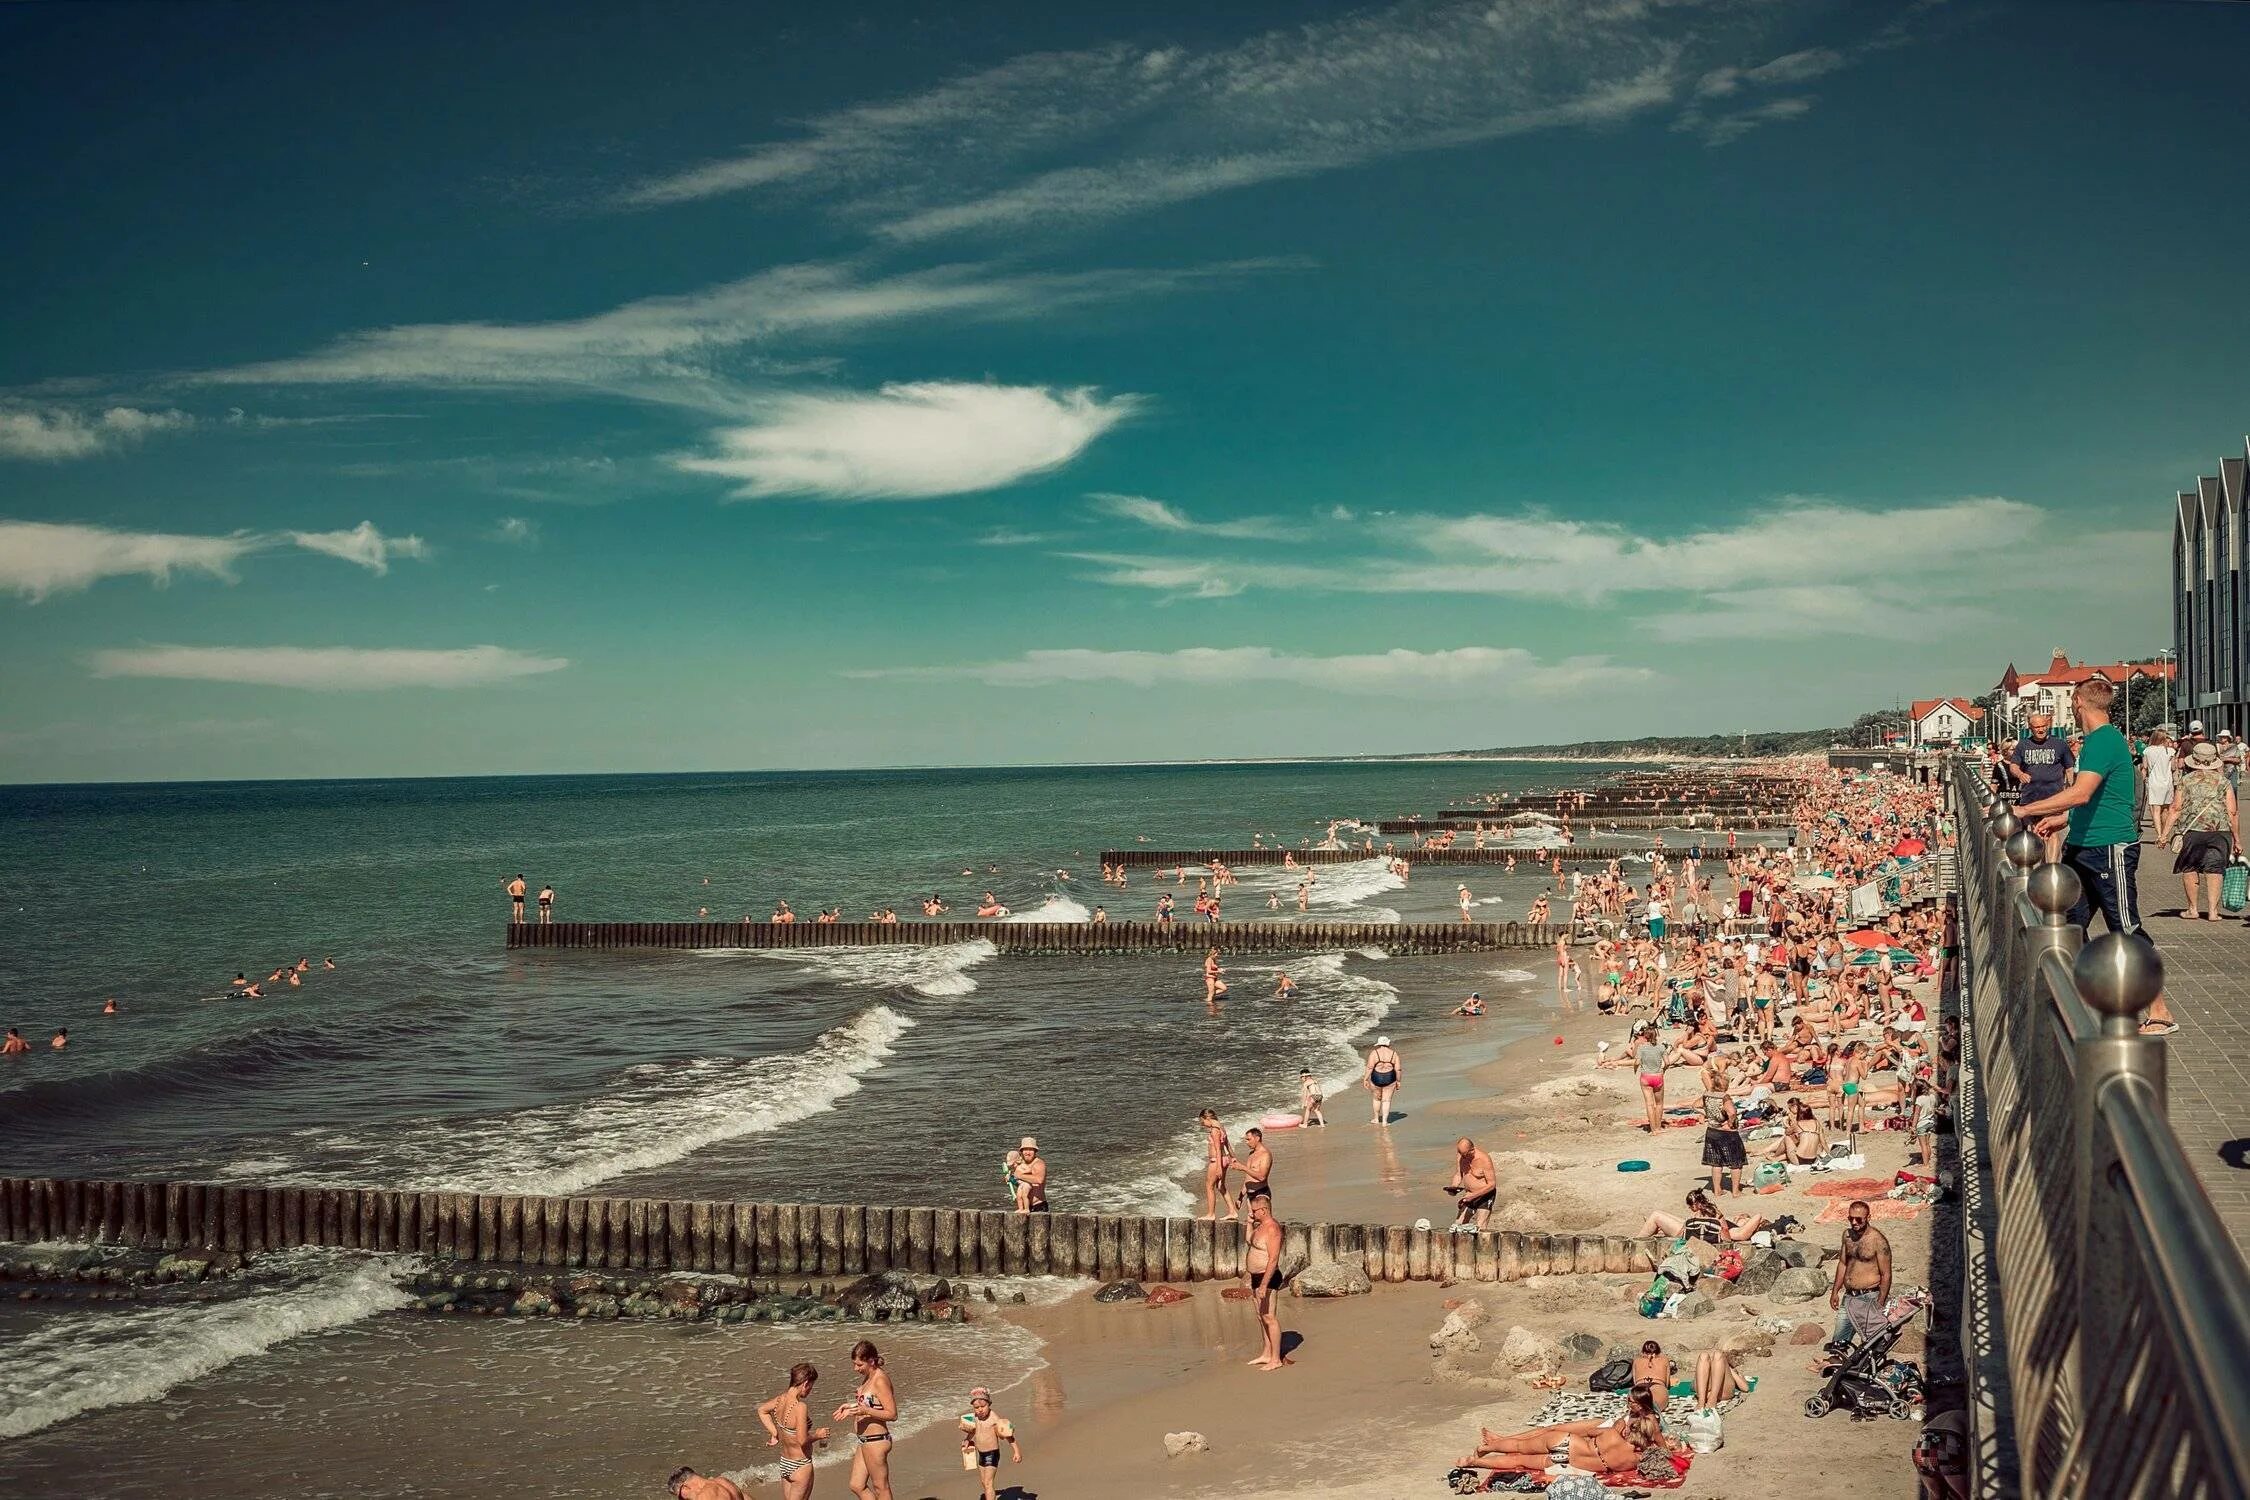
point(1868, 937)
point(1908, 847)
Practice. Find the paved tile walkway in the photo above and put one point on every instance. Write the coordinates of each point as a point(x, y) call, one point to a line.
point(2207, 981)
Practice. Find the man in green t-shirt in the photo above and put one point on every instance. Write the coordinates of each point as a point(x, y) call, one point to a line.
point(2100, 812)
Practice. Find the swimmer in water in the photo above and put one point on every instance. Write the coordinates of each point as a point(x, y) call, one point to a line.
point(14, 1044)
point(62, 1040)
point(294, 981)
point(253, 992)
point(328, 963)
point(109, 1007)
point(1283, 987)
point(238, 982)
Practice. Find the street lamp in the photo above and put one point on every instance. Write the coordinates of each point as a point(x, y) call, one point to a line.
point(2165, 656)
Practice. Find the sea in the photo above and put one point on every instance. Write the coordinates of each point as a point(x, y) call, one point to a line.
point(431, 1057)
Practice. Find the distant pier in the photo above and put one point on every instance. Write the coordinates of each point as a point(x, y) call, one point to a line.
point(1046, 937)
point(1569, 854)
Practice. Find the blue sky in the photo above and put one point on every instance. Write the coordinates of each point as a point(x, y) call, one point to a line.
point(433, 389)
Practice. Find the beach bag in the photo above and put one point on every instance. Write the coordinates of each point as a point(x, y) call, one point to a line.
point(1651, 1304)
point(1729, 1264)
point(1770, 1173)
point(1617, 1375)
point(1704, 1430)
point(2234, 886)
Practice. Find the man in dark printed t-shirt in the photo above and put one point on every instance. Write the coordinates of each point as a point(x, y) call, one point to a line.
point(2040, 764)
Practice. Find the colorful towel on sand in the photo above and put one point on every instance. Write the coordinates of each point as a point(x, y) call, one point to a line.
point(1477, 1482)
point(1601, 1406)
point(1851, 1187)
point(1880, 1208)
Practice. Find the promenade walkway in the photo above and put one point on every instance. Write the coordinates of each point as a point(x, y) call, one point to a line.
point(2207, 981)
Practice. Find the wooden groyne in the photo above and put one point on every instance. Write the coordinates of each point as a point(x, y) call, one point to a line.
point(760, 1239)
point(1045, 937)
point(1582, 821)
point(1569, 854)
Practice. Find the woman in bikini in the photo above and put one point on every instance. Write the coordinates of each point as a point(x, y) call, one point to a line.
point(1218, 1160)
point(871, 1411)
point(785, 1418)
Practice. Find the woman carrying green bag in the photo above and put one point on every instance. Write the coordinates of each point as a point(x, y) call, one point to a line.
point(2206, 835)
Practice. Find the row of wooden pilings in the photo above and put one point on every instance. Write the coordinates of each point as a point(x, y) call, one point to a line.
point(1569, 854)
point(1183, 936)
point(760, 1239)
point(1583, 821)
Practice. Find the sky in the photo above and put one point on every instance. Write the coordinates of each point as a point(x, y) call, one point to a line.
point(416, 390)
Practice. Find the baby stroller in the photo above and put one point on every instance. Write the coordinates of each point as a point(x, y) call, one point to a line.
point(1864, 1380)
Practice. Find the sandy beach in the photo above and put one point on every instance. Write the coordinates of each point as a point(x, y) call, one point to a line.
point(1369, 1410)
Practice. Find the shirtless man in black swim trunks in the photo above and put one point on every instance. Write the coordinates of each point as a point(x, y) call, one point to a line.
point(1255, 1165)
point(1261, 1270)
point(515, 889)
point(1478, 1183)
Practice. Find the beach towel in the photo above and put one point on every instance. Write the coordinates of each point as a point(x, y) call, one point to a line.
point(1850, 1187)
point(1879, 1208)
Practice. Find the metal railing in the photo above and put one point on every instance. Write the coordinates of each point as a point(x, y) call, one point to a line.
point(2101, 1280)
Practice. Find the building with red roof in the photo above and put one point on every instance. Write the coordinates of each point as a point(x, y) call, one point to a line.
point(1942, 721)
point(2020, 695)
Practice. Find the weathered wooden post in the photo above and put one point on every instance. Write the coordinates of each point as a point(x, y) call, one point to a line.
point(789, 1256)
point(1108, 1236)
point(1418, 1255)
point(1394, 1252)
point(921, 1240)
point(745, 1237)
point(1014, 1243)
point(946, 1252)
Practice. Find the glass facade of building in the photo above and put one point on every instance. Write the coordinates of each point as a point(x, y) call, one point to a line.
point(2211, 600)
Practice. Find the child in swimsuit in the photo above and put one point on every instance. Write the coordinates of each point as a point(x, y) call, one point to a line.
point(983, 1430)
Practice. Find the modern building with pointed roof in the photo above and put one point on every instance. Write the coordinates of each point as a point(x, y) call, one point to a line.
point(2211, 599)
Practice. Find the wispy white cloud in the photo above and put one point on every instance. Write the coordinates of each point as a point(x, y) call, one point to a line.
point(332, 669)
point(1179, 123)
point(363, 544)
point(1485, 669)
point(39, 558)
point(709, 350)
point(1009, 536)
point(909, 442)
point(517, 530)
point(1786, 542)
point(52, 434)
point(1164, 517)
point(1183, 579)
point(1798, 567)
point(1715, 110)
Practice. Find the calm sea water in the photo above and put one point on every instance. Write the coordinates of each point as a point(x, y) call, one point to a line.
point(431, 1057)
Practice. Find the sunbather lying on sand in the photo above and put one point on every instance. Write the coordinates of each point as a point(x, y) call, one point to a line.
point(1594, 1447)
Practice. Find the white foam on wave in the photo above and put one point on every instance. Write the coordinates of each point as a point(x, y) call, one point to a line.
point(1056, 908)
point(1352, 1005)
point(1340, 887)
point(935, 973)
point(660, 1113)
point(1513, 976)
point(80, 1362)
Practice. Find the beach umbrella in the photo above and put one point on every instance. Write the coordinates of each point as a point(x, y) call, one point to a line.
point(1868, 937)
point(1895, 955)
point(1908, 847)
point(1816, 882)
